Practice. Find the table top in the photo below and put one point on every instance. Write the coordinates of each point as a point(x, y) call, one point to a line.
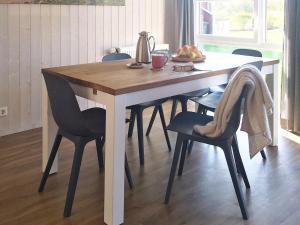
point(115, 78)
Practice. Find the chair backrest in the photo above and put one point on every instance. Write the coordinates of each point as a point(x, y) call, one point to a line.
point(115, 56)
point(64, 106)
point(247, 52)
point(257, 64)
point(235, 118)
point(250, 52)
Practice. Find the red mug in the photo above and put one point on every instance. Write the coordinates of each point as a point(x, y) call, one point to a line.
point(159, 60)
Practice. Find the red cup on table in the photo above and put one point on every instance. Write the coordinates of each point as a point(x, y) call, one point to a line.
point(159, 60)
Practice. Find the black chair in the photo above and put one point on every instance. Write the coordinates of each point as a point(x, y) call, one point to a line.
point(247, 52)
point(239, 51)
point(183, 124)
point(115, 56)
point(136, 112)
point(210, 101)
point(80, 127)
point(184, 98)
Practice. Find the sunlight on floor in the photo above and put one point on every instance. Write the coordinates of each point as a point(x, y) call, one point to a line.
point(289, 135)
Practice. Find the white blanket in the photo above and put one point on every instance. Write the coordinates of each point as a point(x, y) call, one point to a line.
point(258, 105)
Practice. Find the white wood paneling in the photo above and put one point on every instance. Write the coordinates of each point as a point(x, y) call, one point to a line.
point(4, 64)
point(39, 36)
point(55, 35)
point(142, 15)
point(65, 30)
point(25, 75)
point(83, 44)
point(99, 33)
point(148, 11)
point(135, 19)
point(107, 34)
point(114, 27)
point(122, 26)
point(36, 62)
point(74, 34)
point(128, 21)
point(14, 105)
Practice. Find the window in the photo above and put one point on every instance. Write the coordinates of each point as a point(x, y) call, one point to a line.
point(275, 21)
point(247, 21)
point(227, 18)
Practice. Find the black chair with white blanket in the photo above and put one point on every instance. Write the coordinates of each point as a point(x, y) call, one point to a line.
point(183, 124)
point(210, 102)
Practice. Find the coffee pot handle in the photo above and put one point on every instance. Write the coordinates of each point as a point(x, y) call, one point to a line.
point(151, 37)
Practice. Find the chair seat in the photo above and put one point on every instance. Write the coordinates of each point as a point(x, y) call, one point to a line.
point(149, 104)
point(220, 88)
point(210, 101)
point(192, 94)
point(95, 119)
point(184, 122)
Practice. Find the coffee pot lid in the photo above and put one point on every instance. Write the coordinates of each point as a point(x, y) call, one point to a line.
point(144, 33)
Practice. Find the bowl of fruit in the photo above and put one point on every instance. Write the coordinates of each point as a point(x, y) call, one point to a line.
point(188, 53)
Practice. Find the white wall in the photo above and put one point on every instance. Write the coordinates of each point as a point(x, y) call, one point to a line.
point(38, 36)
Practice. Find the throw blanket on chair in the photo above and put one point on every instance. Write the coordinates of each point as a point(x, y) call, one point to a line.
point(258, 105)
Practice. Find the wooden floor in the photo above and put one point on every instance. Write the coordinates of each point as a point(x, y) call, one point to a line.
point(204, 195)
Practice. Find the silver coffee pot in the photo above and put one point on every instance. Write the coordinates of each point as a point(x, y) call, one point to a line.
point(143, 50)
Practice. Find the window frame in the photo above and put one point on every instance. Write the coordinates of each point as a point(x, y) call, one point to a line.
point(260, 32)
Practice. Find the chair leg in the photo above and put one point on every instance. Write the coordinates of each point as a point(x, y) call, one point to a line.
point(200, 109)
point(131, 122)
point(139, 116)
point(151, 120)
point(173, 168)
point(182, 157)
point(263, 154)
point(50, 161)
point(190, 148)
point(99, 145)
point(232, 170)
point(191, 144)
point(163, 123)
point(79, 147)
point(236, 149)
point(239, 162)
point(184, 105)
point(128, 173)
point(174, 109)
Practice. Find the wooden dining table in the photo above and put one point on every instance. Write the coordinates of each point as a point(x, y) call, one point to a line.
point(115, 86)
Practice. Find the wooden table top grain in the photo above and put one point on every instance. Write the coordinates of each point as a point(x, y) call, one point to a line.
point(116, 79)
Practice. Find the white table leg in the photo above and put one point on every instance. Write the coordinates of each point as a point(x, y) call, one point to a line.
point(276, 96)
point(114, 160)
point(49, 131)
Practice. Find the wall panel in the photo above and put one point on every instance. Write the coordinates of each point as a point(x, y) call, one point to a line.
point(14, 103)
point(4, 64)
point(39, 36)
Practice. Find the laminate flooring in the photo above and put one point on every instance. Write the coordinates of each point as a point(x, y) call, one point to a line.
point(204, 195)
